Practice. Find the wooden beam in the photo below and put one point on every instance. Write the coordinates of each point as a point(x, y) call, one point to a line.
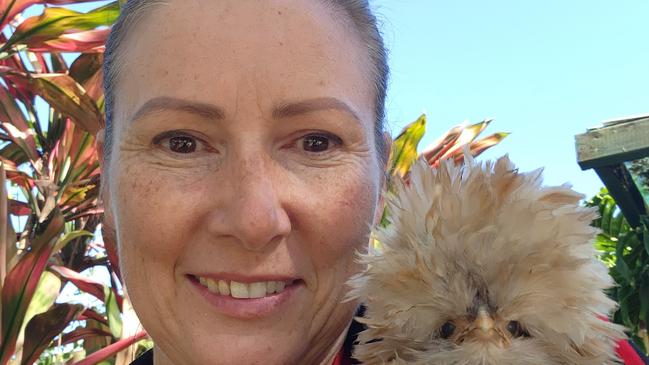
point(613, 143)
point(623, 189)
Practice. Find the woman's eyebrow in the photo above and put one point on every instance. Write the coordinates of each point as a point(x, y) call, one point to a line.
point(287, 110)
point(211, 111)
point(163, 103)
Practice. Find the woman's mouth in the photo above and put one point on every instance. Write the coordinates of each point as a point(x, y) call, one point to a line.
point(239, 290)
point(246, 300)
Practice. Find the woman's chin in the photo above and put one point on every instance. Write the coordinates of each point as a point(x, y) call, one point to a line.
point(220, 330)
point(233, 351)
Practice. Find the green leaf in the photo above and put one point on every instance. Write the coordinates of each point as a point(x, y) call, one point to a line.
point(65, 239)
point(10, 8)
point(113, 313)
point(621, 264)
point(44, 327)
point(64, 95)
point(10, 112)
point(24, 141)
point(16, 126)
point(59, 21)
point(46, 293)
point(607, 217)
point(21, 282)
point(644, 300)
point(645, 232)
point(404, 147)
point(624, 312)
point(617, 225)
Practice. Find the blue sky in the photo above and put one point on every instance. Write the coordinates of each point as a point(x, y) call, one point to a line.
point(544, 70)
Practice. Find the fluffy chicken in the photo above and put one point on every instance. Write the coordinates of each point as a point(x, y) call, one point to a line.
point(482, 265)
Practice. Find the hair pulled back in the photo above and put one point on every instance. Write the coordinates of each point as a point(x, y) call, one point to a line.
point(358, 12)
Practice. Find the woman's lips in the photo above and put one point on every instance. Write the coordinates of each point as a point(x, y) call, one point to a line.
point(246, 299)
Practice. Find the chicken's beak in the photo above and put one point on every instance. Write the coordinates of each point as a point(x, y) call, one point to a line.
point(485, 330)
point(483, 321)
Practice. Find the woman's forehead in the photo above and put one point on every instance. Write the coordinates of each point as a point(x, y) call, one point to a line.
point(236, 52)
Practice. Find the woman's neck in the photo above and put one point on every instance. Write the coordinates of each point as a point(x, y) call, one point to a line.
point(335, 349)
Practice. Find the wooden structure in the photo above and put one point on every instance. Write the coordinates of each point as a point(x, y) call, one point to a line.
point(606, 148)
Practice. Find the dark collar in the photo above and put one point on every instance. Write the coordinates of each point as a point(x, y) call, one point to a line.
point(352, 335)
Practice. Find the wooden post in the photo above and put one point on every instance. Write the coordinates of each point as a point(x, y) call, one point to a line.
point(605, 149)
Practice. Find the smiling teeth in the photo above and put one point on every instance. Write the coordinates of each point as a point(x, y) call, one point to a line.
point(224, 288)
point(242, 290)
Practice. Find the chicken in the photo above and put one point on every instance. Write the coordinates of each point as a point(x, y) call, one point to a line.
point(482, 265)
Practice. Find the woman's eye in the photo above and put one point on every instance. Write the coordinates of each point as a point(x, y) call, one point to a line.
point(182, 144)
point(316, 143)
point(179, 143)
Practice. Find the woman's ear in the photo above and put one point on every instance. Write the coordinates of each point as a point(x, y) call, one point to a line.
point(104, 195)
point(387, 148)
point(100, 140)
point(385, 176)
point(385, 166)
point(378, 212)
point(108, 222)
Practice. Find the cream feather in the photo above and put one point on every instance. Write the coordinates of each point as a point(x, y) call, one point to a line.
point(482, 235)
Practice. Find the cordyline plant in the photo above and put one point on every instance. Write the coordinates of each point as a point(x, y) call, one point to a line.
point(51, 168)
point(50, 165)
point(625, 250)
point(453, 144)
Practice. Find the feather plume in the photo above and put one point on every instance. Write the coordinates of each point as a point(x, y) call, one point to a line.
point(483, 265)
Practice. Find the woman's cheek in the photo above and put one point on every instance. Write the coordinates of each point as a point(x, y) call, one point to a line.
point(153, 217)
point(344, 218)
point(151, 213)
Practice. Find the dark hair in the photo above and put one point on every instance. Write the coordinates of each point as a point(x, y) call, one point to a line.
point(358, 11)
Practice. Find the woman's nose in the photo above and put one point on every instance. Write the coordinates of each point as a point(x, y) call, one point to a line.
point(253, 212)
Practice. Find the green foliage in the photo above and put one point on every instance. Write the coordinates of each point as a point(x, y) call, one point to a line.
point(625, 250)
point(50, 165)
point(640, 170)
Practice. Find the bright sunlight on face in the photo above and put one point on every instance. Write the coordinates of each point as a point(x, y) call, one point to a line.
point(243, 177)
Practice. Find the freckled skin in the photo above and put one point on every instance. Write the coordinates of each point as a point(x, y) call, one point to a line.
point(254, 202)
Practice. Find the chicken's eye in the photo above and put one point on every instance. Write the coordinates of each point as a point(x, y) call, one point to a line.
point(516, 329)
point(447, 330)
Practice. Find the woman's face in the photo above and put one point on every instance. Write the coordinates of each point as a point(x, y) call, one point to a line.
point(243, 160)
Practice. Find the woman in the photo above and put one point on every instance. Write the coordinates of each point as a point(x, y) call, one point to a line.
point(243, 163)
